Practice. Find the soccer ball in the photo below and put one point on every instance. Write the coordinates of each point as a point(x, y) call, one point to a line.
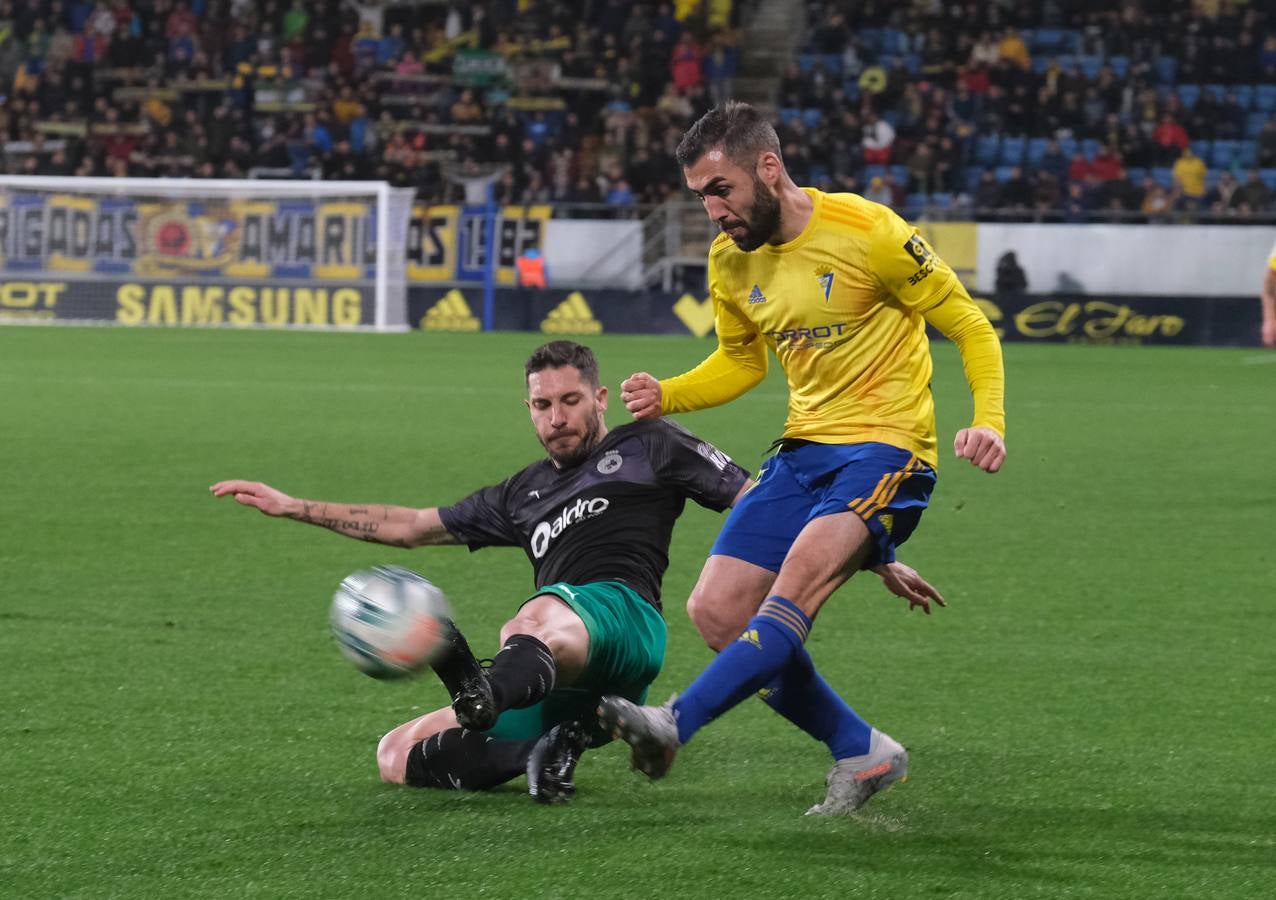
point(390, 622)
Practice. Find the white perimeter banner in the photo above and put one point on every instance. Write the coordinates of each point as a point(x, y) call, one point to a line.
point(589, 252)
point(1174, 260)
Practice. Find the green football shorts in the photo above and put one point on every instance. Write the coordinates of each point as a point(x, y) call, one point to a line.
point(626, 650)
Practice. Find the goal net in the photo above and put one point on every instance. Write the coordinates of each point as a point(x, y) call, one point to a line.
point(158, 251)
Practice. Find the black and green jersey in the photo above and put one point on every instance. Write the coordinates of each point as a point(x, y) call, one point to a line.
point(611, 517)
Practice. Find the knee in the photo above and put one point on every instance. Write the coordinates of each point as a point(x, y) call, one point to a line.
point(392, 758)
point(715, 624)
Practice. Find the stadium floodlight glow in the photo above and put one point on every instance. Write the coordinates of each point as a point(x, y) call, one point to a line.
point(198, 251)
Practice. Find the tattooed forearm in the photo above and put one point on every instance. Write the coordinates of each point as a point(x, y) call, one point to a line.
point(389, 525)
point(353, 527)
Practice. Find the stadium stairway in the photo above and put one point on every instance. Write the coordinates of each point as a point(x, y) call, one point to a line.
point(773, 31)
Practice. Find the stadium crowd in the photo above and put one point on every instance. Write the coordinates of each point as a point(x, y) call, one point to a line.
point(1045, 110)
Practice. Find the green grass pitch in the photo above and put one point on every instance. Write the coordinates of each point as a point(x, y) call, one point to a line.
point(1092, 716)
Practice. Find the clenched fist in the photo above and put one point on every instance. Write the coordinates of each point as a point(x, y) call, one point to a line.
point(640, 393)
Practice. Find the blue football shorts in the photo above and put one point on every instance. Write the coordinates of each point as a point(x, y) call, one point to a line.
point(885, 486)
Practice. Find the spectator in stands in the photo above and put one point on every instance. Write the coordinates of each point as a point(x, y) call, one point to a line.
point(1253, 195)
point(878, 192)
point(921, 168)
point(987, 194)
point(1189, 179)
point(1077, 203)
point(1157, 202)
point(1123, 195)
point(1170, 137)
point(686, 62)
point(466, 110)
point(720, 69)
point(1219, 198)
point(1016, 192)
point(1046, 193)
point(1266, 141)
point(878, 140)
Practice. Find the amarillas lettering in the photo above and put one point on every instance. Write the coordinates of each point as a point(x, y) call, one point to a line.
point(807, 334)
point(580, 510)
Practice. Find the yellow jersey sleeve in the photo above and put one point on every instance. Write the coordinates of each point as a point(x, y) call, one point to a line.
point(906, 267)
point(962, 322)
point(738, 363)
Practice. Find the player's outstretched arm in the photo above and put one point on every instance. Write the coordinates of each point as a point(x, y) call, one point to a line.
point(396, 526)
point(905, 581)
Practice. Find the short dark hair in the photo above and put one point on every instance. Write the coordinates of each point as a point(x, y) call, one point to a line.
point(557, 354)
point(738, 128)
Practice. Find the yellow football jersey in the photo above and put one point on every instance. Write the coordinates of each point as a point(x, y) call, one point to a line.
point(841, 306)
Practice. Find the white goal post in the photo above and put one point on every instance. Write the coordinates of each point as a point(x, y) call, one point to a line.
point(177, 251)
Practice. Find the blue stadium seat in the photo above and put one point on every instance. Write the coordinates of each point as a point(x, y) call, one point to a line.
point(1036, 150)
point(787, 114)
point(1163, 176)
point(1040, 64)
point(941, 199)
point(871, 172)
point(1047, 39)
point(1247, 154)
point(1269, 177)
point(973, 174)
point(1165, 68)
point(1202, 149)
point(1120, 66)
point(915, 202)
point(897, 41)
point(1089, 148)
point(1068, 146)
point(1003, 173)
point(1255, 123)
point(1012, 150)
point(1224, 154)
point(1072, 40)
point(986, 148)
point(812, 118)
point(901, 174)
point(1215, 90)
point(1090, 66)
point(1244, 94)
point(1189, 94)
point(870, 38)
point(819, 174)
point(1212, 177)
point(806, 61)
point(1265, 97)
point(1137, 174)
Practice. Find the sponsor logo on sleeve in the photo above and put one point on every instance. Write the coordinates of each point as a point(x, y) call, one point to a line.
point(719, 459)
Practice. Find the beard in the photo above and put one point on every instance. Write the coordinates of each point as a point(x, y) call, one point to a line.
point(765, 221)
point(571, 458)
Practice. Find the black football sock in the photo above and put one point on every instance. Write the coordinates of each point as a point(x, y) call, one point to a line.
point(522, 673)
point(459, 759)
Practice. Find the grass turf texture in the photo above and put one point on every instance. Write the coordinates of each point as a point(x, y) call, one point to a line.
point(1091, 717)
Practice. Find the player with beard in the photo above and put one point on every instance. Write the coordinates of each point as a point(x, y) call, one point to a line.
point(595, 519)
point(841, 290)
